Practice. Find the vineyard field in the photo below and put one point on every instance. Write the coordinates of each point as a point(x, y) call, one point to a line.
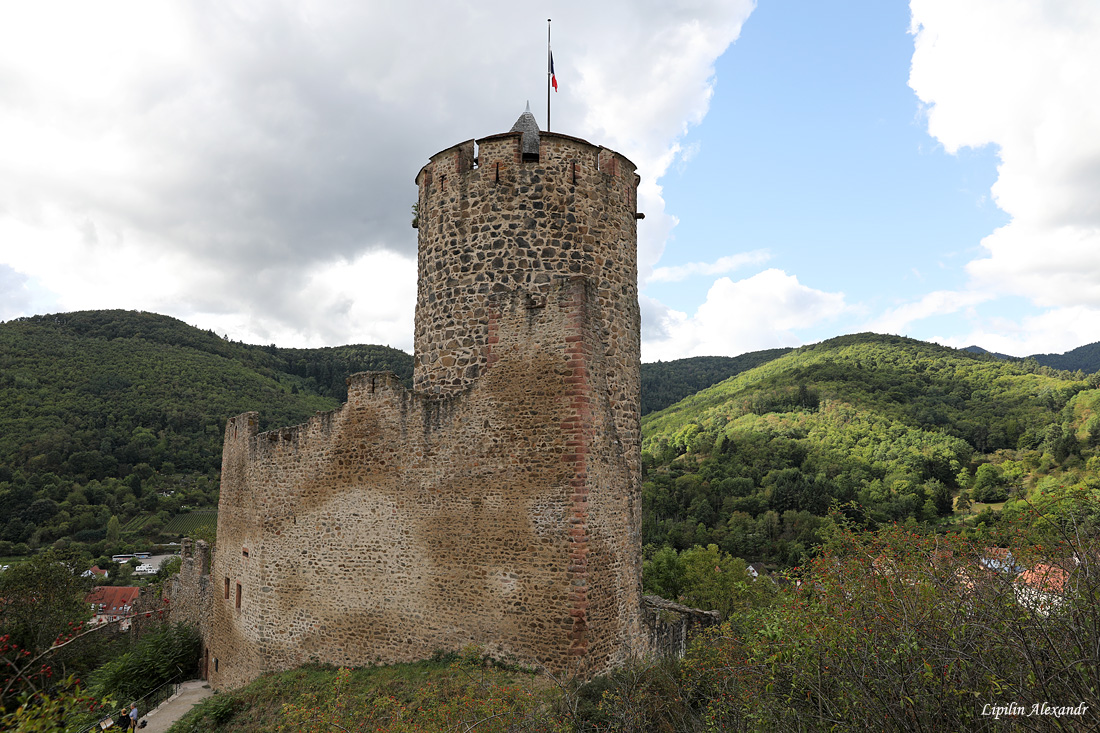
point(184, 524)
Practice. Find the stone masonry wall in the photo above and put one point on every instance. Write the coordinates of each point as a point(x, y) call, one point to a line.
point(498, 503)
point(400, 524)
point(506, 224)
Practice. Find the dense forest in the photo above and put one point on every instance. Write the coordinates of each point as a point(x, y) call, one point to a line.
point(887, 428)
point(111, 429)
point(827, 461)
point(119, 414)
point(111, 421)
point(665, 383)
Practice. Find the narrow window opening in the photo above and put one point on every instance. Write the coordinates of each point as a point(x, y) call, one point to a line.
point(496, 171)
point(245, 552)
point(227, 589)
point(238, 595)
point(442, 183)
point(215, 664)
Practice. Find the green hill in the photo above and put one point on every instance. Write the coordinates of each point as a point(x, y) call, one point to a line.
point(1086, 358)
point(119, 413)
point(895, 425)
point(665, 383)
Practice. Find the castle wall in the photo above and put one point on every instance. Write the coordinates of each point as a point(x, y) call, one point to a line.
point(189, 590)
point(401, 524)
point(498, 502)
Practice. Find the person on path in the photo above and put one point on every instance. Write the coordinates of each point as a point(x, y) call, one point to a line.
point(133, 716)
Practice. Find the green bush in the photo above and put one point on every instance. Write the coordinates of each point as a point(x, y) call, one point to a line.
point(159, 656)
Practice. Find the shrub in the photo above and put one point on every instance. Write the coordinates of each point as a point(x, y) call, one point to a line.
point(159, 656)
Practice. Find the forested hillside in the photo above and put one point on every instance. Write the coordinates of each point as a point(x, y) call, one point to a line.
point(890, 427)
point(120, 414)
point(665, 383)
point(1086, 358)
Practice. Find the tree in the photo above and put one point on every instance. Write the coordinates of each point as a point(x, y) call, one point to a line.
point(987, 484)
point(713, 580)
point(43, 599)
point(169, 567)
point(898, 630)
point(940, 496)
point(113, 530)
point(662, 575)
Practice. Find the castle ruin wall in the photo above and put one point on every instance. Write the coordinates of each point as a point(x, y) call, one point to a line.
point(498, 502)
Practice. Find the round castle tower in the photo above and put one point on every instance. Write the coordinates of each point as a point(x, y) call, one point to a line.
point(515, 211)
point(499, 502)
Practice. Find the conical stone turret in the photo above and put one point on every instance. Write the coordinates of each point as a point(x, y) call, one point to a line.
point(530, 129)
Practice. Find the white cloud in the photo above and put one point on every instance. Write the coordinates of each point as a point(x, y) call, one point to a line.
point(1021, 75)
point(367, 301)
point(938, 303)
point(1052, 332)
point(15, 297)
point(761, 312)
point(652, 82)
point(206, 160)
point(720, 266)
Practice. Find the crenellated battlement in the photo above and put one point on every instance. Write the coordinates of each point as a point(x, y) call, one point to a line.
point(497, 160)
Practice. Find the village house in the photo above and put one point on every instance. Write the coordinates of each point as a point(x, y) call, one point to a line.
point(112, 603)
point(1042, 589)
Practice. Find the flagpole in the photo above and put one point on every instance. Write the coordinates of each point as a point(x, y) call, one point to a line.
point(548, 75)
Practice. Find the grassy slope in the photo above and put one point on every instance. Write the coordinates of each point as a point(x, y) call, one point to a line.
point(429, 695)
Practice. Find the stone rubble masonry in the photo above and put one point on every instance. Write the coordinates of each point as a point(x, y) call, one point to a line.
point(497, 503)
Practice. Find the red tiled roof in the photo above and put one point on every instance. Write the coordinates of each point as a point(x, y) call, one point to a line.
point(1047, 578)
point(112, 598)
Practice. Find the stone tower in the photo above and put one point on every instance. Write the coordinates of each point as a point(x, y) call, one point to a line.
point(497, 503)
point(514, 211)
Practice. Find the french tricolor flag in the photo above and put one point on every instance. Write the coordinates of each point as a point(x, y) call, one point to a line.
point(553, 77)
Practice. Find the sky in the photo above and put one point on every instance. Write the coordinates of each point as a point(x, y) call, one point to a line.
point(809, 169)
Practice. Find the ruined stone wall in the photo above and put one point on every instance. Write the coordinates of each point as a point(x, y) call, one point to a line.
point(670, 627)
point(188, 592)
point(400, 524)
point(498, 503)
